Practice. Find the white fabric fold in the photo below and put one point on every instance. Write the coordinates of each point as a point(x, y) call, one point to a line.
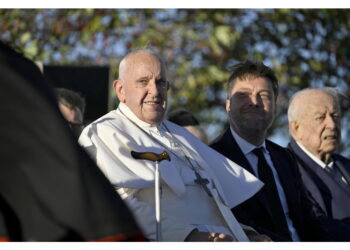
point(110, 140)
point(234, 184)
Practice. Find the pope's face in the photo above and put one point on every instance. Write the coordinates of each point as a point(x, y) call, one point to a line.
point(251, 106)
point(144, 87)
point(318, 128)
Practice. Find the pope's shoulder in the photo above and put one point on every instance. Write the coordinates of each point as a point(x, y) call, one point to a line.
point(110, 120)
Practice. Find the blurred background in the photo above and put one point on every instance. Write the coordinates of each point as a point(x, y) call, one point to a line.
point(80, 49)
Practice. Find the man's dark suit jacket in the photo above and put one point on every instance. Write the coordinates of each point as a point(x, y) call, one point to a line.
point(333, 198)
point(256, 211)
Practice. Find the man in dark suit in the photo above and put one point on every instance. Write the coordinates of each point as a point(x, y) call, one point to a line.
point(314, 124)
point(281, 209)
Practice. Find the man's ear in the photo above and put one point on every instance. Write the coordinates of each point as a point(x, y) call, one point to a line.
point(293, 129)
point(119, 90)
point(228, 105)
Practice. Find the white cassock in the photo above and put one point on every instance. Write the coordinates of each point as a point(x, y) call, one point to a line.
point(185, 205)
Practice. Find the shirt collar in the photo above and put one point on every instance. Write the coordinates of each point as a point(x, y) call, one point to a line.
point(245, 146)
point(129, 114)
point(314, 158)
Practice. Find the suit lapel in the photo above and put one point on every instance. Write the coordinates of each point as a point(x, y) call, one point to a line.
point(316, 173)
point(281, 165)
point(343, 169)
point(311, 167)
point(234, 153)
point(286, 176)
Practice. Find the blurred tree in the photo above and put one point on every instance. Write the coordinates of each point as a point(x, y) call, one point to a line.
point(306, 47)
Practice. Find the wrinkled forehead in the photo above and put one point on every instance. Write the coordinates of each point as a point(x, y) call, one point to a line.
point(143, 65)
point(318, 102)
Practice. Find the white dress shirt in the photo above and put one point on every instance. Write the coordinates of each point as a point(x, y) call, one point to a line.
point(247, 149)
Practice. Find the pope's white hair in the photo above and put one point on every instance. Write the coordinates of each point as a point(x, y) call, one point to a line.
point(123, 62)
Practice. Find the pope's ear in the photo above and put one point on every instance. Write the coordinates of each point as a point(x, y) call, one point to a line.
point(119, 90)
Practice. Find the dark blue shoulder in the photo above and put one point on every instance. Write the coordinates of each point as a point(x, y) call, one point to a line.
point(343, 159)
point(273, 147)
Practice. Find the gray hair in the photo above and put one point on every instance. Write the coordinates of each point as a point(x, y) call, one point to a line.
point(293, 111)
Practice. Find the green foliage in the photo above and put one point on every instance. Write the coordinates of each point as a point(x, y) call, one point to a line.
point(306, 47)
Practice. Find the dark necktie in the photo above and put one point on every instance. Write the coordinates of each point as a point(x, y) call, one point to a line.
point(337, 175)
point(271, 194)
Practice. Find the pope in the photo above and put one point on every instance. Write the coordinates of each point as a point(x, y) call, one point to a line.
point(198, 186)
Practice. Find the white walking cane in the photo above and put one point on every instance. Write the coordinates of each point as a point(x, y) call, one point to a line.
point(157, 158)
